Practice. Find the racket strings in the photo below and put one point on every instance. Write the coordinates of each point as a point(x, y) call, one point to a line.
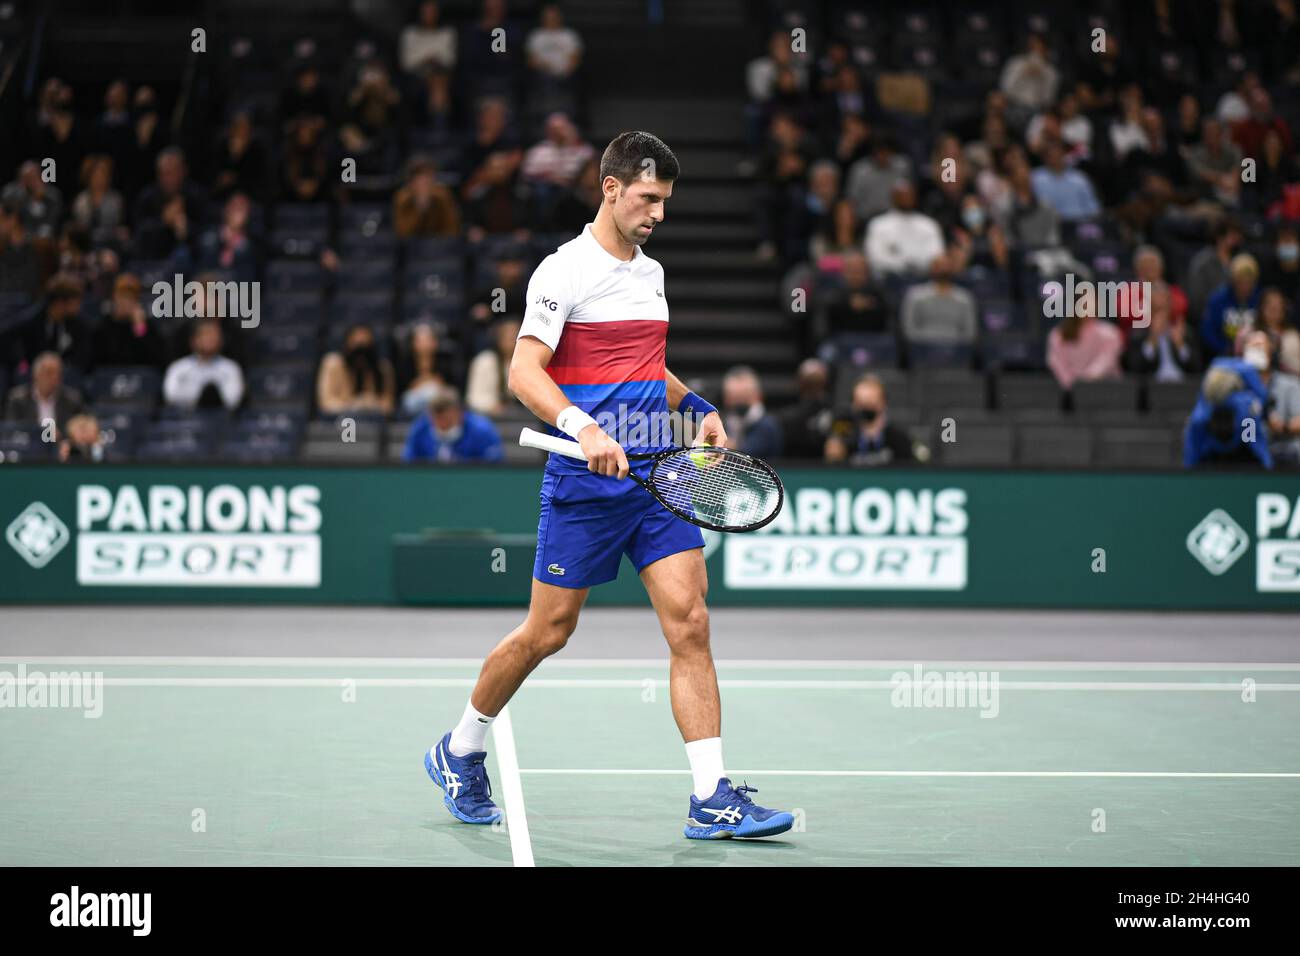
point(720, 487)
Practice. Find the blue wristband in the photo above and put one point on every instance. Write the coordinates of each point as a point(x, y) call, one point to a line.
point(695, 405)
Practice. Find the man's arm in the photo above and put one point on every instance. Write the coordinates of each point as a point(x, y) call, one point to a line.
point(529, 383)
point(710, 431)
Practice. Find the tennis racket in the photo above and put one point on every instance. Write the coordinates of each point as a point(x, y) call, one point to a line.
point(715, 488)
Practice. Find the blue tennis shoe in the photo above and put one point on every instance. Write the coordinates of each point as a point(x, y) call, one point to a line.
point(729, 813)
point(464, 781)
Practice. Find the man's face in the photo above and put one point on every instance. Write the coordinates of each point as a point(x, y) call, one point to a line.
point(869, 400)
point(638, 207)
point(739, 392)
point(48, 376)
point(447, 419)
point(207, 340)
point(171, 172)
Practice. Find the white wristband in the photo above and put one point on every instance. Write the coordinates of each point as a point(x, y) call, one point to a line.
point(573, 420)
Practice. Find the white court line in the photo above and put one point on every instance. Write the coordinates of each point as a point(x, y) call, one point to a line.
point(503, 735)
point(616, 663)
point(926, 773)
point(646, 683)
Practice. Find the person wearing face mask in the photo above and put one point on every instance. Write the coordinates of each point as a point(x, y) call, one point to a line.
point(1229, 422)
point(447, 432)
point(749, 426)
point(357, 378)
point(1283, 406)
point(865, 436)
point(1282, 271)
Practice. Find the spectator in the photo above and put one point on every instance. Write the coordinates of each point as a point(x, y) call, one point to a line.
point(858, 306)
point(806, 425)
point(1029, 80)
point(84, 443)
point(872, 182)
point(781, 178)
point(148, 140)
point(1068, 191)
point(1163, 350)
point(240, 164)
point(355, 379)
point(1282, 269)
point(486, 391)
point(865, 436)
point(57, 327)
point(39, 204)
point(449, 433)
point(1127, 131)
point(1275, 322)
point(760, 74)
point(371, 119)
point(1249, 133)
point(577, 206)
point(305, 100)
point(1232, 308)
point(1275, 171)
point(488, 194)
point(59, 134)
point(425, 207)
point(113, 133)
point(1283, 406)
point(553, 49)
point(554, 163)
point(1215, 164)
point(98, 208)
point(1031, 223)
point(1209, 267)
point(169, 213)
point(750, 427)
point(1228, 424)
point(428, 56)
point(205, 378)
point(903, 241)
point(838, 236)
point(979, 241)
point(489, 51)
point(939, 312)
point(19, 265)
point(1148, 269)
point(127, 336)
point(1082, 348)
point(424, 368)
point(502, 296)
point(427, 46)
point(229, 247)
point(45, 398)
point(303, 171)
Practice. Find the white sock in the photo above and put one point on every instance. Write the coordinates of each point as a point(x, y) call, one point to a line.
point(470, 733)
point(706, 765)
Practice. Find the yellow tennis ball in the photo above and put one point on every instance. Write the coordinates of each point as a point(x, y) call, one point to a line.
point(700, 458)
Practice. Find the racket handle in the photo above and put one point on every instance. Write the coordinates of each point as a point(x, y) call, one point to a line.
point(561, 446)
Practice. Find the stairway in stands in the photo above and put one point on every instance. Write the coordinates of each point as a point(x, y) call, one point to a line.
point(723, 300)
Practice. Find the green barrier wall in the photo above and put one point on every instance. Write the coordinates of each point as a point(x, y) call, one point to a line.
point(927, 538)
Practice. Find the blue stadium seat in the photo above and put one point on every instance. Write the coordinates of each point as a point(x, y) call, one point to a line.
point(294, 275)
point(276, 387)
point(285, 342)
point(125, 387)
point(929, 355)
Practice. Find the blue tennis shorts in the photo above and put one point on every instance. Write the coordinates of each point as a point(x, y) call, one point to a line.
point(588, 522)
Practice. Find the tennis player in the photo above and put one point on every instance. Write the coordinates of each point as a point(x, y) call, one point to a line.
point(592, 346)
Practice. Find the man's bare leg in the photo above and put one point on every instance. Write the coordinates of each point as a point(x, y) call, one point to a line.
point(552, 616)
point(678, 586)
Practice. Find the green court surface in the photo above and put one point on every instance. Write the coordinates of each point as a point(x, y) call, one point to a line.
point(221, 761)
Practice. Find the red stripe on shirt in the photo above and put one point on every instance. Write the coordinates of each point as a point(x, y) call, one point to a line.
point(603, 353)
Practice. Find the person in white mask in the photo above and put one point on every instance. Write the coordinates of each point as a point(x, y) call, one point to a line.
point(1283, 410)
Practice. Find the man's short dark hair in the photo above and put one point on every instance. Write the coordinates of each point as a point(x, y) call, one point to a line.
point(63, 287)
point(625, 158)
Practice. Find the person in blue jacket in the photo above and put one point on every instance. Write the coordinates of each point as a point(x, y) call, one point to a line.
point(447, 432)
point(1233, 308)
point(1228, 422)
